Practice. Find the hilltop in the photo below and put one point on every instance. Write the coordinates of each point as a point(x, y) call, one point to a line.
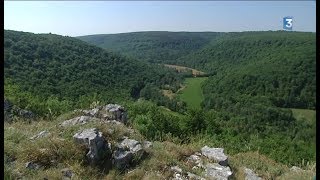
point(153, 46)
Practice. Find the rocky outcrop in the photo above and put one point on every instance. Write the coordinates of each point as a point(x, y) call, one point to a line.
point(195, 161)
point(133, 145)
point(97, 147)
point(77, 120)
point(215, 154)
point(32, 165)
point(217, 172)
point(146, 144)
point(109, 113)
point(250, 175)
point(126, 151)
point(212, 161)
point(114, 112)
point(179, 174)
point(194, 177)
point(93, 112)
point(25, 113)
point(122, 159)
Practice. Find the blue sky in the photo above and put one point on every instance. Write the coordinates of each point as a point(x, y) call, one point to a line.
point(75, 18)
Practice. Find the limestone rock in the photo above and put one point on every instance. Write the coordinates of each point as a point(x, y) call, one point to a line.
point(250, 175)
point(115, 112)
point(146, 144)
point(32, 165)
point(93, 112)
point(192, 176)
point(93, 140)
point(215, 154)
point(217, 172)
point(122, 159)
point(295, 168)
point(195, 161)
point(176, 169)
point(133, 145)
point(25, 113)
point(77, 120)
point(127, 149)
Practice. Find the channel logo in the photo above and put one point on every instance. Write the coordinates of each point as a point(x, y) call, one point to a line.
point(287, 23)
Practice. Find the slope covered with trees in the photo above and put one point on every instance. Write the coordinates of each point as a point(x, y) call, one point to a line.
point(47, 72)
point(277, 65)
point(154, 46)
point(257, 75)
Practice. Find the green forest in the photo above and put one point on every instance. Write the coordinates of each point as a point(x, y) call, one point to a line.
point(51, 73)
point(153, 46)
point(255, 79)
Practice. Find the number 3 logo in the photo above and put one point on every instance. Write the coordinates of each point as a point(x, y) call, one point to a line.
point(287, 23)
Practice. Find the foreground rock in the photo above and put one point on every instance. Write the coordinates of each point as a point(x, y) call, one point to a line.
point(127, 150)
point(25, 114)
point(250, 175)
point(93, 112)
point(194, 177)
point(296, 169)
point(133, 145)
point(110, 112)
point(215, 154)
point(179, 174)
point(32, 165)
point(213, 163)
point(146, 144)
point(195, 161)
point(114, 112)
point(217, 172)
point(122, 159)
point(78, 120)
point(97, 146)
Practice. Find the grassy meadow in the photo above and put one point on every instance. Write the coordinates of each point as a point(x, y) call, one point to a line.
point(309, 115)
point(192, 93)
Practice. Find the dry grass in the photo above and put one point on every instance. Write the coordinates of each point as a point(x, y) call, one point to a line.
point(58, 151)
point(260, 164)
point(185, 69)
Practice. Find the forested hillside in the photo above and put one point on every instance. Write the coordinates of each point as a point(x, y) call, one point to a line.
point(47, 72)
point(278, 65)
point(258, 74)
point(155, 47)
